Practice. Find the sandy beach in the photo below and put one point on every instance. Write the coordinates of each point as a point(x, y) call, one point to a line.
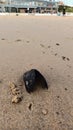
point(44, 43)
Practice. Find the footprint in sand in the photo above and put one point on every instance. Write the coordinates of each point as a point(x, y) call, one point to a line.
point(43, 52)
point(58, 96)
point(27, 41)
point(42, 45)
point(68, 59)
point(3, 39)
point(1, 81)
point(68, 76)
point(30, 106)
point(55, 54)
point(66, 89)
point(18, 40)
point(65, 58)
point(51, 68)
point(57, 113)
point(69, 66)
point(49, 46)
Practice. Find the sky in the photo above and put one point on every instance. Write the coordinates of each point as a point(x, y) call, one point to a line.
point(67, 2)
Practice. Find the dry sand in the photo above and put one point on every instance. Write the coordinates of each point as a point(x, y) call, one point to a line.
point(45, 43)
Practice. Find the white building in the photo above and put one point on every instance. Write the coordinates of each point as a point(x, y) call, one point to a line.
point(29, 5)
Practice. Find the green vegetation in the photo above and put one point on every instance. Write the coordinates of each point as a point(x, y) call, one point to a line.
point(68, 9)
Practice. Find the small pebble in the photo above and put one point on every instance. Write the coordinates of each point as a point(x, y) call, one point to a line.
point(16, 92)
point(12, 85)
point(16, 99)
point(44, 111)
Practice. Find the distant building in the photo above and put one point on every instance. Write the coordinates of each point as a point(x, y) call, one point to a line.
point(31, 6)
point(60, 3)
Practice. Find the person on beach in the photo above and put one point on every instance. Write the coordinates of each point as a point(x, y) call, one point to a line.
point(64, 11)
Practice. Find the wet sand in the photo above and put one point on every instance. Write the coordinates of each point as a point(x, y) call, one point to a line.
point(44, 43)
